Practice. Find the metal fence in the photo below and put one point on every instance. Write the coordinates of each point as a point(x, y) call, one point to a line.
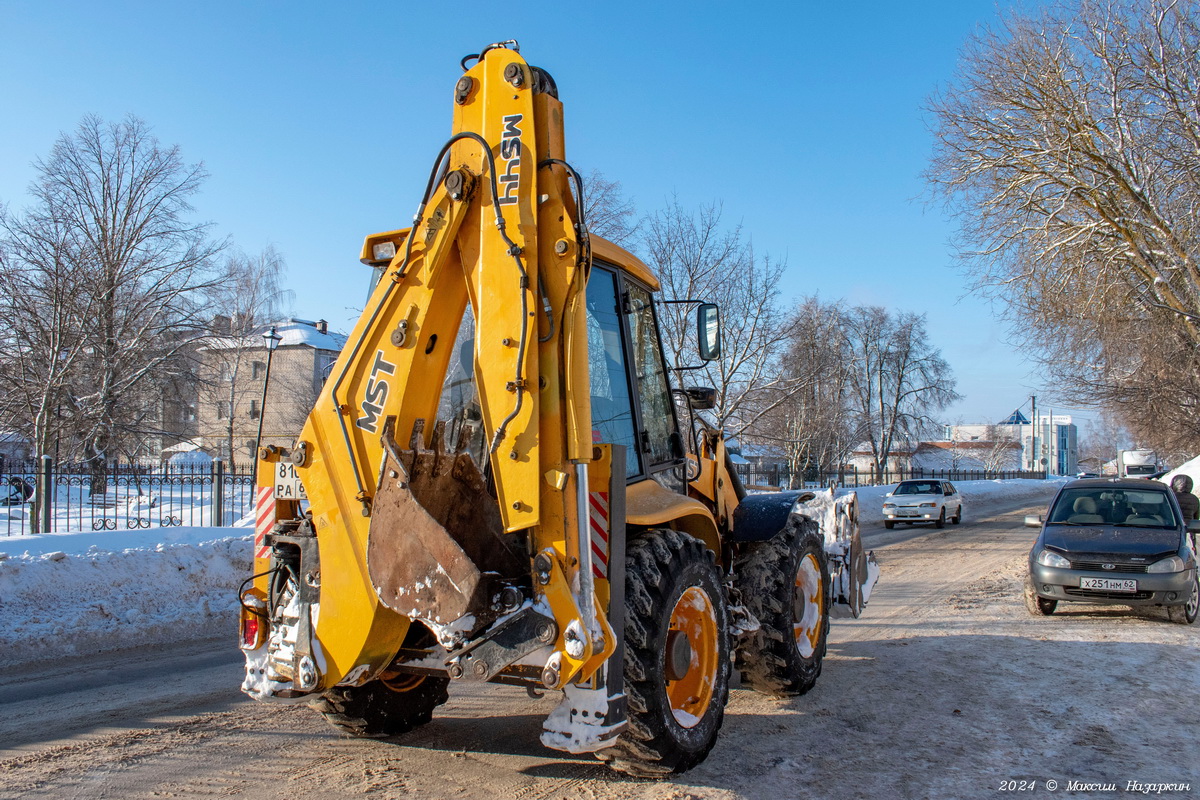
point(779, 476)
point(43, 497)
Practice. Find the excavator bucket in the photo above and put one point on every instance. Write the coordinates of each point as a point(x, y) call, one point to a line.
point(436, 550)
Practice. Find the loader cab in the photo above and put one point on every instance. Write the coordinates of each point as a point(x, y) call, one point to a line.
point(630, 390)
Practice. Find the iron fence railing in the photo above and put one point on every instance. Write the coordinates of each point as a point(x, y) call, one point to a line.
point(42, 497)
point(779, 476)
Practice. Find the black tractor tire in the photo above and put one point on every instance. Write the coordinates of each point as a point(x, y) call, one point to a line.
point(941, 520)
point(1035, 605)
point(775, 659)
point(376, 710)
point(662, 567)
point(887, 523)
point(957, 518)
point(1186, 614)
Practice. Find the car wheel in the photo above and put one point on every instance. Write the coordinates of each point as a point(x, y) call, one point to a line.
point(1038, 606)
point(941, 520)
point(957, 518)
point(1186, 614)
point(887, 523)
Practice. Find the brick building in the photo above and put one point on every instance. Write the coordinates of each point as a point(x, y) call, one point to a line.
point(233, 370)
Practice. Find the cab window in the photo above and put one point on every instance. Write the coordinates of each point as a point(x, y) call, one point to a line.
point(654, 393)
point(612, 405)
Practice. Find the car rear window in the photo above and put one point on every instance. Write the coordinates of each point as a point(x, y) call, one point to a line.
point(1139, 508)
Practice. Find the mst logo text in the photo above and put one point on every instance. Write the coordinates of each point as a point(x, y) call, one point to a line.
point(376, 394)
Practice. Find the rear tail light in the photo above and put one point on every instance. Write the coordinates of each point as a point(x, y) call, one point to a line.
point(251, 630)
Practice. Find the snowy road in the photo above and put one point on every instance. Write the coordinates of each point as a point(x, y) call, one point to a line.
point(946, 688)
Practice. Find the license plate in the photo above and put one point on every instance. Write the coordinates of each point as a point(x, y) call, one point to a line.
point(287, 483)
point(1108, 584)
point(903, 513)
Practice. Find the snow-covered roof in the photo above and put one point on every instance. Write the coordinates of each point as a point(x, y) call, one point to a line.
point(898, 449)
point(294, 332)
point(1005, 444)
point(302, 332)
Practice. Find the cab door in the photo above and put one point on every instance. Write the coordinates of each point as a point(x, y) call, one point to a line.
point(630, 391)
point(658, 431)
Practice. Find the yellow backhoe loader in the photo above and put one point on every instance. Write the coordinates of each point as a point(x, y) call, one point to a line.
point(493, 485)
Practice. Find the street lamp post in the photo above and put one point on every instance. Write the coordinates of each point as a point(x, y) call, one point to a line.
point(273, 340)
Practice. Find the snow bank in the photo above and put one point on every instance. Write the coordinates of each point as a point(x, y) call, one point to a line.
point(79, 543)
point(69, 595)
point(1189, 468)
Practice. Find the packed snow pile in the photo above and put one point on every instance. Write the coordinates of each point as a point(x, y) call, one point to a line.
point(1189, 468)
point(64, 595)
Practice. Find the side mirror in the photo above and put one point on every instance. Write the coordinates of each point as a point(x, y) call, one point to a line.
point(1033, 521)
point(701, 398)
point(889, 494)
point(708, 331)
point(1194, 526)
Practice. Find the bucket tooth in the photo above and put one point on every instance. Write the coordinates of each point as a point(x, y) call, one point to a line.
point(416, 442)
point(465, 432)
point(437, 442)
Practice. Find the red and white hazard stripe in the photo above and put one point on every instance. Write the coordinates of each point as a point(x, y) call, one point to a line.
point(264, 520)
point(598, 514)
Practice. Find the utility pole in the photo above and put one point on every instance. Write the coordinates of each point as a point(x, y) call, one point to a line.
point(1033, 426)
point(1051, 440)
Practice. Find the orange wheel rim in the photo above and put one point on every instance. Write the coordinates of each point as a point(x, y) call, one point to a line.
point(403, 683)
point(809, 601)
point(692, 691)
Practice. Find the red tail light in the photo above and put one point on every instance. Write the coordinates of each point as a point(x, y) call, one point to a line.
point(250, 632)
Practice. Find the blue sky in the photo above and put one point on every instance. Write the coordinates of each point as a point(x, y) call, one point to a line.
point(317, 123)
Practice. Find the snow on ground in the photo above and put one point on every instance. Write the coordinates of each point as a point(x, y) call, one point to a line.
point(74, 594)
point(71, 594)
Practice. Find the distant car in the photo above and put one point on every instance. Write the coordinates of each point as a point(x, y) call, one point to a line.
point(923, 500)
point(1117, 541)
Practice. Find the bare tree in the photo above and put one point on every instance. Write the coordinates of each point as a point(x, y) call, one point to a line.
point(897, 379)
point(697, 258)
point(129, 269)
point(956, 450)
point(608, 212)
point(1000, 451)
point(43, 301)
point(813, 427)
point(1101, 440)
point(1069, 149)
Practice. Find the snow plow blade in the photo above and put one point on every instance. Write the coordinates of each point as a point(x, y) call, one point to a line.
point(853, 570)
point(436, 550)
